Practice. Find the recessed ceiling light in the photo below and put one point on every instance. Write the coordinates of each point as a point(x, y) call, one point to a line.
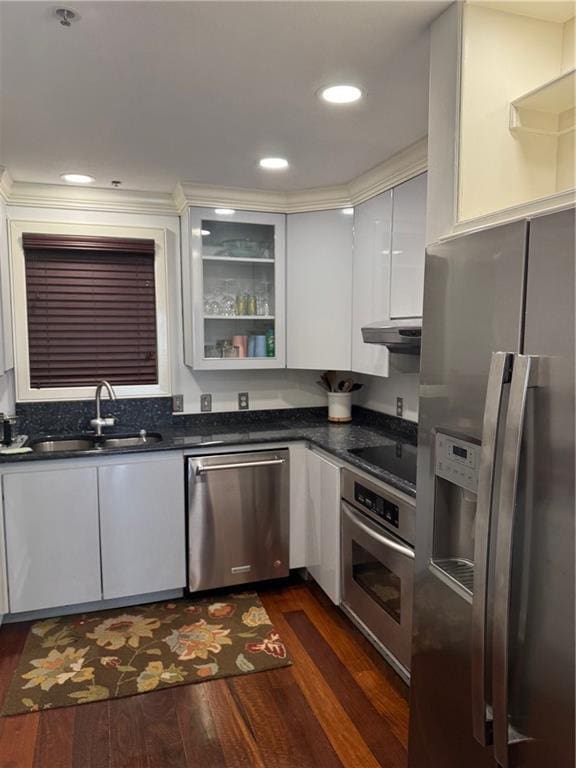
point(224, 211)
point(348, 211)
point(341, 94)
point(77, 178)
point(273, 163)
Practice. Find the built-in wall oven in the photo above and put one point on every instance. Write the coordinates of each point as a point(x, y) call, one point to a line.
point(378, 565)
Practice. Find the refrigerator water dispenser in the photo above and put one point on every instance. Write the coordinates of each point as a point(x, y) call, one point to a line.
point(456, 463)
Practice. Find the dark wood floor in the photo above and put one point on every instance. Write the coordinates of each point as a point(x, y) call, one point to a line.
point(338, 706)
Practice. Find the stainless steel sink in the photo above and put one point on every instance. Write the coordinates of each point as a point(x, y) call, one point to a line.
point(62, 444)
point(126, 441)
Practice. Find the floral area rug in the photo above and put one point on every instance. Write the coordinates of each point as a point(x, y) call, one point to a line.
point(96, 656)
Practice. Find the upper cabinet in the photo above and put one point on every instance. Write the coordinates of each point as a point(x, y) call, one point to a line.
point(247, 304)
point(502, 97)
point(319, 290)
point(371, 280)
point(234, 289)
point(388, 266)
point(408, 249)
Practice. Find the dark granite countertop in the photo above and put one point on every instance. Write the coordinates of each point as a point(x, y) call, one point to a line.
point(294, 425)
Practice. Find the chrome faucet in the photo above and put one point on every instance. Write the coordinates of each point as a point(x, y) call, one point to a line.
point(107, 421)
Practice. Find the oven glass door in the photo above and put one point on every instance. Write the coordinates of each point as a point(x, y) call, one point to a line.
point(378, 575)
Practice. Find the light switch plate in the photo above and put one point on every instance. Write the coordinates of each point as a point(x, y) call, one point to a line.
point(177, 403)
point(205, 403)
point(243, 401)
point(399, 406)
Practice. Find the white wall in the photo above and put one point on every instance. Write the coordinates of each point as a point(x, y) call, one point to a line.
point(380, 394)
point(267, 389)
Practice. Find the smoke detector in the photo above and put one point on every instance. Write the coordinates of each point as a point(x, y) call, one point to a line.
point(66, 16)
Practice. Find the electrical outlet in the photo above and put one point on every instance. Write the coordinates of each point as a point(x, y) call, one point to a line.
point(243, 401)
point(205, 403)
point(177, 403)
point(399, 406)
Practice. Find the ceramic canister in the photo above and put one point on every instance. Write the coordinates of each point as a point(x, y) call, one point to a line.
point(339, 407)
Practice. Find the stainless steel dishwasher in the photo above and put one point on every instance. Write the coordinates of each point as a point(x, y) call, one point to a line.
point(238, 518)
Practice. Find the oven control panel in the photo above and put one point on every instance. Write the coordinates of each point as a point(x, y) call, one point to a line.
point(458, 461)
point(376, 504)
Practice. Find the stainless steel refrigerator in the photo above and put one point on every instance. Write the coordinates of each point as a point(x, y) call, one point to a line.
point(492, 680)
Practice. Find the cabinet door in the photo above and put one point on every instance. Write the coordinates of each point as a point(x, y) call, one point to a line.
point(52, 539)
point(371, 280)
point(319, 290)
point(298, 506)
point(234, 280)
point(142, 526)
point(408, 248)
point(324, 524)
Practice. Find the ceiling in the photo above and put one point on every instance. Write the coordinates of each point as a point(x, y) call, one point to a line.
point(153, 93)
point(557, 11)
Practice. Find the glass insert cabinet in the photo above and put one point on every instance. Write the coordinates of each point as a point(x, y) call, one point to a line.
point(234, 290)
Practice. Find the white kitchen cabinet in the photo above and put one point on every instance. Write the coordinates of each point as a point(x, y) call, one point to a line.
point(52, 538)
point(142, 526)
point(298, 506)
point(319, 290)
point(234, 285)
point(487, 162)
point(323, 511)
point(4, 607)
point(371, 280)
point(388, 267)
point(408, 248)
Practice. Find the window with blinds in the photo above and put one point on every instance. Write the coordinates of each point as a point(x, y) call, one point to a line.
point(91, 305)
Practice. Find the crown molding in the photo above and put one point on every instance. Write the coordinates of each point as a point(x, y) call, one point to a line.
point(30, 194)
point(207, 196)
point(6, 184)
point(398, 168)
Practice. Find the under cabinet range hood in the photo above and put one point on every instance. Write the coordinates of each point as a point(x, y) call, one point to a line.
point(402, 337)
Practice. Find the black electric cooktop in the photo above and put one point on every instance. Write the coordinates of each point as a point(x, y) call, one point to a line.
point(399, 459)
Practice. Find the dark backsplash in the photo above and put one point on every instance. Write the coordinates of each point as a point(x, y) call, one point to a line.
point(153, 413)
point(74, 415)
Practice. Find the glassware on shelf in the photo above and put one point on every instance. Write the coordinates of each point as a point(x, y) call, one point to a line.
point(211, 304)
point(228, 301)
point(242, 248)
point(260, 345)
point(229, 350)
point(251, 305)
point(240, 304)
point(212, 351)
point(242, 343)
point(263, 306)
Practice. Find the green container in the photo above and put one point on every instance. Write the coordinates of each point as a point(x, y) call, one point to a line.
point(270, 343)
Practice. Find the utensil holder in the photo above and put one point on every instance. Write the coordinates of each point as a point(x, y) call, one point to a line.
point(339, 407)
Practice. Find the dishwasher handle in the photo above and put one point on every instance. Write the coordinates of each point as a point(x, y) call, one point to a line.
point(200, 470)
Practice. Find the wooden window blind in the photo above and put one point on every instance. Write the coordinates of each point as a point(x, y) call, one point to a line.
point(91, 310)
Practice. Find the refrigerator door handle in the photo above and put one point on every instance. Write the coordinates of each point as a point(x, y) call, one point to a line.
point(523, 376)
point(500, 367)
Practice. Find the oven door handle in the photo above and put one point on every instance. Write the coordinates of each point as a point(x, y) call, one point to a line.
point(384, 540)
